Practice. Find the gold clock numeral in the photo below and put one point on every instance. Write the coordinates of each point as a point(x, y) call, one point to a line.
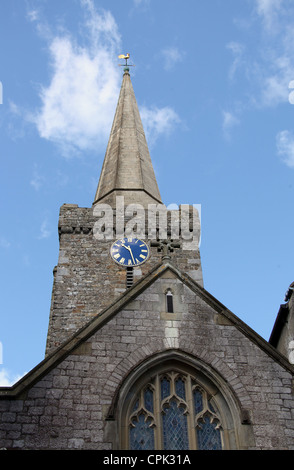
point(129, 262)
point(122, 260)
point(142, 256)
point(137, 261)
point(116, 256)
point(144, 251)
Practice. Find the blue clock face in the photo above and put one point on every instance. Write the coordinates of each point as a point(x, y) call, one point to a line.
point(129, 252)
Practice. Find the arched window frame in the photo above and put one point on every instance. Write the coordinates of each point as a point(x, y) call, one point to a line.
point(228, 410)
point(169, 404)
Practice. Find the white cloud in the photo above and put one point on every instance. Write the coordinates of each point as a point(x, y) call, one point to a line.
point(291, 93)
point(44, 230)
point(171, 56)
point(37, 180)
point(237, 50)
point(102, 28)
point(276, 81)
point(268, 63)
point(79, 103)
point(33, 15)
point(7, 379)
point(285, 147)
point(275, 65)
point(268, 10)
point(158, 121)
point(14, 108)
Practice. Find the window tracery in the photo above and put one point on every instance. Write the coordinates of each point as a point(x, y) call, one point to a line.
point(174, 412)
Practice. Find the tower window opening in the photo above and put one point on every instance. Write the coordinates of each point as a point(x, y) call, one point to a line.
point(169, 302)
point(130, 277)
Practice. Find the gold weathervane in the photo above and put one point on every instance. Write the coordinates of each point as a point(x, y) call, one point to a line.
point(126, 57)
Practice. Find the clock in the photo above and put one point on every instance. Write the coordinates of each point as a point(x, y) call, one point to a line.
point(129, 252)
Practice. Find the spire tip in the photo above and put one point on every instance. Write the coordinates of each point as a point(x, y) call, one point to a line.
point(126, 65)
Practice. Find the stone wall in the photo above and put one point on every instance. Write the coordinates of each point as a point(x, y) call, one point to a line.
point(86, 280)
point(67, 406)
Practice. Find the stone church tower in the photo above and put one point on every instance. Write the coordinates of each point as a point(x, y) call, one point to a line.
point(139, 355)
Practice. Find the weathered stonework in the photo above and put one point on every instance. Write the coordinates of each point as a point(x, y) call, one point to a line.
point(106, 339)
point(74, 399)
point(86, 280)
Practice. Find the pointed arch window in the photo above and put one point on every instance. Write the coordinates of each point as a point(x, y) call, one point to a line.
point(174, 412)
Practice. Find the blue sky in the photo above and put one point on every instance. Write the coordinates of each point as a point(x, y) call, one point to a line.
point(212, 83)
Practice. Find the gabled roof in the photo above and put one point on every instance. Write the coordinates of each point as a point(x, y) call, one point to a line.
point(119, 304)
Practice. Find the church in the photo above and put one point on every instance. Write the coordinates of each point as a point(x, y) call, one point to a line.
point(139, 356)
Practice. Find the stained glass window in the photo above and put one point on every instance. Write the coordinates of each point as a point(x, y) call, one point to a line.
point(174, 427)
point(208, 432)
point(208, 436)
point(198, 405)
point(173, 412)
point(148, 399)
point(165, 388)
point(180, 388)
point(142, 421)
point(141, 434)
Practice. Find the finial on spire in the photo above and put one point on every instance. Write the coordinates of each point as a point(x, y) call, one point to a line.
point(126, 65)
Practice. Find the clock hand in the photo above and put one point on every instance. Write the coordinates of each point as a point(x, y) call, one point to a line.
point(129, 249)
point(132, 255)
point(126, 247)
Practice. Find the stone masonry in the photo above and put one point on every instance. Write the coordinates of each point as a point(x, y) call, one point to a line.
point(86, 280)
point(107, 338)
point(71, 400)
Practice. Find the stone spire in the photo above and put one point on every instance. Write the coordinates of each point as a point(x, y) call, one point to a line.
point(127, 169)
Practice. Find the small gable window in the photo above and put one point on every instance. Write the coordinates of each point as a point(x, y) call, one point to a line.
point(169, 301)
